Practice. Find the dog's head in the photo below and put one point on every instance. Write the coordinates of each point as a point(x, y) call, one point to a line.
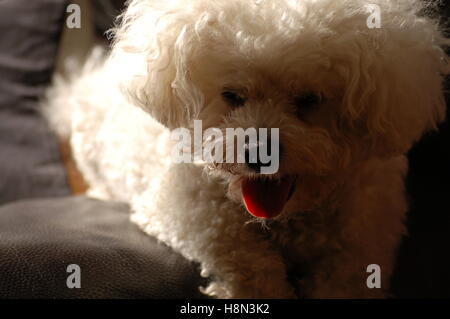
point(339, 89)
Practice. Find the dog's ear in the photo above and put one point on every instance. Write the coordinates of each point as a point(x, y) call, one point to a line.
point(394, 84)
point(152, 47)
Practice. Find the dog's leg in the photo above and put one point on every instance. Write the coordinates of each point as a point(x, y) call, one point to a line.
point(367, 231)
point(344, 273)
point(190, 213)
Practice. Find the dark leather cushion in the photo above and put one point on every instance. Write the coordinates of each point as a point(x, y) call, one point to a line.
point(40, 238)
point(30, 163)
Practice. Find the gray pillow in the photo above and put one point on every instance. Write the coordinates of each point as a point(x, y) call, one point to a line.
point(30, 163)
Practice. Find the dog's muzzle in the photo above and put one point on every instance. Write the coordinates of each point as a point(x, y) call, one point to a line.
point(264, 196)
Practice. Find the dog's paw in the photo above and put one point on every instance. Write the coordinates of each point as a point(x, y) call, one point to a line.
point(227, 290)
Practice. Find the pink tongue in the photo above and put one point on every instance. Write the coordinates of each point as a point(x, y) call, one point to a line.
point(266, 198)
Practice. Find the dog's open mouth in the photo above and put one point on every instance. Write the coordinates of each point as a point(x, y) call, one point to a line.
point(266, 198)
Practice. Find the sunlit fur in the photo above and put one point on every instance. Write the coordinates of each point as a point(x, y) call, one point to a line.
point(381, 90)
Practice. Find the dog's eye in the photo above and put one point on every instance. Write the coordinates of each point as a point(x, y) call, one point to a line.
point(233, 99)
point(306, 102)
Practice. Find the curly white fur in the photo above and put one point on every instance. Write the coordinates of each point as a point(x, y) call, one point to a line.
point(382, 90)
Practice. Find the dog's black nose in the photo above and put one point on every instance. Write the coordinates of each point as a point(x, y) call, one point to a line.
point(253, 158)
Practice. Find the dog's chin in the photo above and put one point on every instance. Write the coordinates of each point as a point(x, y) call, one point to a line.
point(264, 196)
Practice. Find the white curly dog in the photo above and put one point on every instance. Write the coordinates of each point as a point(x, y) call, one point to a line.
point(349, 100)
